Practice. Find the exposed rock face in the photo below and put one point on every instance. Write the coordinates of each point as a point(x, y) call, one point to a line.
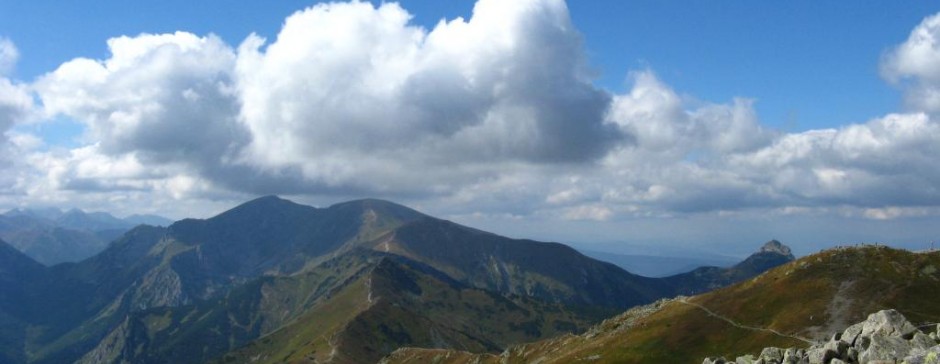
point(777, 247)
point(885, 337)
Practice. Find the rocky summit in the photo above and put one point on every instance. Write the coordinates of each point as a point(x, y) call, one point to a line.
point(885, 337)
point(777, 247)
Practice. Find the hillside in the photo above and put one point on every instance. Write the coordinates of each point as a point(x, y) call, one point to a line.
point(408, 303)
point(790, 306)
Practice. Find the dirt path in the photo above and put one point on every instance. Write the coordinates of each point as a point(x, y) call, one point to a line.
point(746, 327)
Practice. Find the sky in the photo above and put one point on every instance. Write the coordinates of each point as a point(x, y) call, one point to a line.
point(652, 127)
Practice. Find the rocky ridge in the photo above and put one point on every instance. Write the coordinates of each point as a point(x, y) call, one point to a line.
point(885, 337)
point(777, 247)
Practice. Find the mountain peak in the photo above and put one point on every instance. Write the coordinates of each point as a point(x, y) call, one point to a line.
point(49, 213)
point(258, 205)
point(776, 247)
point(380, 207)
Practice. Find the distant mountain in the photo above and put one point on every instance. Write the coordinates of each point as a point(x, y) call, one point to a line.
point(705, 279)
point(794, 305)
point(51, 236)
point(93, 221)
point(147, 219)
point(658, 266)
point(272, 280)
point(47, 213)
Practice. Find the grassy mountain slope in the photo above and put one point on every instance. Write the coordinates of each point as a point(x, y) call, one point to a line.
point(411, 304)
point(803, 300)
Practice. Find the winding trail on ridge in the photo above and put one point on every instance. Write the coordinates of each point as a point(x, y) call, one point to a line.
point(746, 327)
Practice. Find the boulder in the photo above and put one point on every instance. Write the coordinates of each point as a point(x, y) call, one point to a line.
point(820, 355)
point(888, 323)
point(772, 355)
point(851, 333)
point(929, 356)
point(885, 347)
point(839, 347)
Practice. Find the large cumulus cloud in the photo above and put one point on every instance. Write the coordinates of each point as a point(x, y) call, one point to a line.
point(163, 98)
point(916, 65)
point(349, 97)
point(348, 91)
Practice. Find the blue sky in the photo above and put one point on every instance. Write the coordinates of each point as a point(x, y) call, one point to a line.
point(591, 121)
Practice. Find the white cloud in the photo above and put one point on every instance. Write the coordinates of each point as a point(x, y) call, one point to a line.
point(886, 162)
point(916, 62)
point(349, 82)
point(16, 105)
point(16, 102)
point(167, 97)
point(8, 56)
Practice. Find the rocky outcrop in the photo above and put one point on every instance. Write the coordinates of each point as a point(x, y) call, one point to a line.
point(777, 247)
point(885, 337)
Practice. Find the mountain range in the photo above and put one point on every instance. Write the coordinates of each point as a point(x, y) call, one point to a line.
point(275, 281)
point(51, 236)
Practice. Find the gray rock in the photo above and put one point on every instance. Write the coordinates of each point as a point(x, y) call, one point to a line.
point(772, 355)
point(922, 342)
point(884, 347)
point(839, 347)
point(820, 355)
point(852, 355)
point(888, 323)
point(929, 356)
point(851, 333)
point(747, 359)
point(837, 361)
point(793, 356)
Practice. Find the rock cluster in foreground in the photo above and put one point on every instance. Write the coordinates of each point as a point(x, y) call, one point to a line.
point(885, 337)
